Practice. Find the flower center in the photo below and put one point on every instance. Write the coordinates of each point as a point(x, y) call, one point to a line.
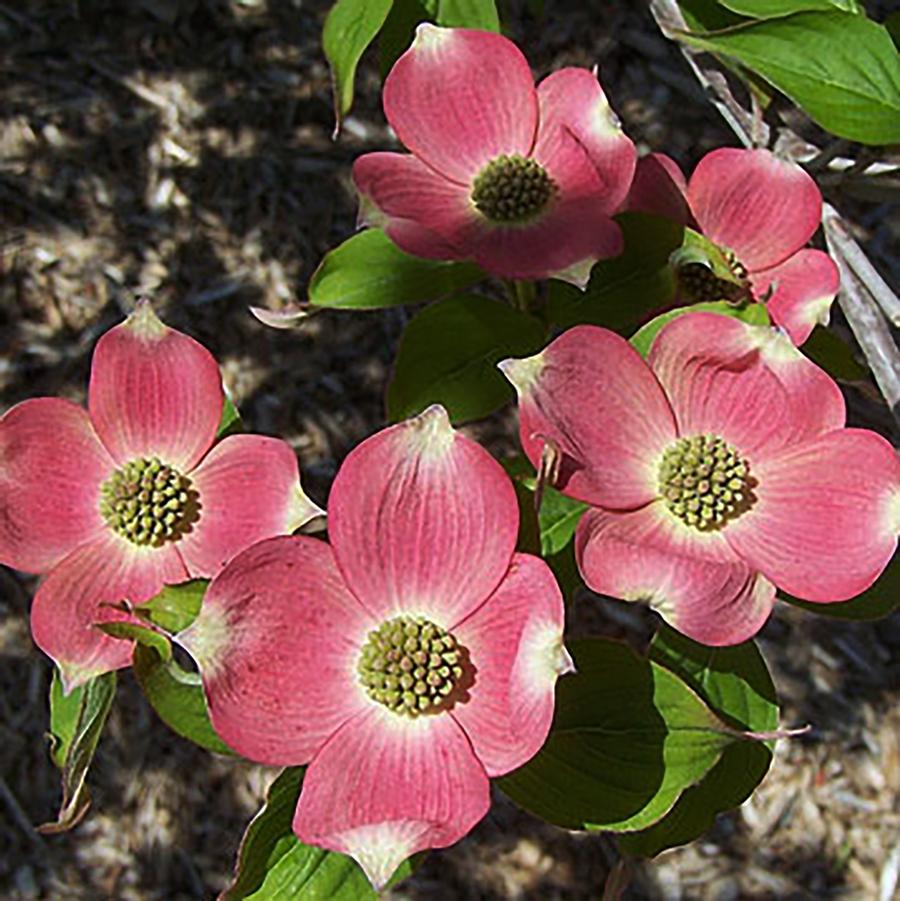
point(702, 285)
point(412, 666)
point(512, 188)
point(148, 502)
point(705, 482)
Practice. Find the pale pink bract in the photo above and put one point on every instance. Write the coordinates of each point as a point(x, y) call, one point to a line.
point(762, 211)
point(423, 524)
point(723, 416)
point(523, 181)
point(70, 506)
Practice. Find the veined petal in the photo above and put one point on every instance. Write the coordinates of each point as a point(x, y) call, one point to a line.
point(515, 643)
point(824, 524)
point(747, 384)
point(571, 101)
point(458, 98)
point(249, 489)
point(693, 581)
point(277, 642)
point(51, 467)
point(659, 188)
point(422, 521)
point(591, 396)
point(154, 391)
point(77, 593)
point(800, 291)
point(574, 229)
point(757, 205)
point(386, 786)
point(422, 212)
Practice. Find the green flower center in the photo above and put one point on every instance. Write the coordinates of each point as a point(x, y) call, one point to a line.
point(412, 666)
point(705, 482)
point(702, 285)
point(512, 188)
point(148, 502)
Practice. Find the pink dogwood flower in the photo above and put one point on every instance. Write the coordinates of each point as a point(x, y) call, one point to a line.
point(523, 181)
point(407, 662)
point(717, 472)
point(761, 211)
point(116, 501)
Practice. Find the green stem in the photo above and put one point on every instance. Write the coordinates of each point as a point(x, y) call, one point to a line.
point(522, 295)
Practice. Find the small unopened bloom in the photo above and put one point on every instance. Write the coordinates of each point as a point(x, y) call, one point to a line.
point(523, 181)
point(407, 662)
point(761, 211)
point(114, 502)
point(718, 472)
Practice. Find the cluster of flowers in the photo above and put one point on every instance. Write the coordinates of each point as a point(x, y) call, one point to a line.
point(414, 655)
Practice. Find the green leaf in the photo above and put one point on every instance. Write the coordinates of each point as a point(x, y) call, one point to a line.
point(558, 519)
point(231, 422)
point(176, 606)
point(76, 724)
point(177, 697)
point(752, 313)
point(628, 738)
point(262, 845)
point(273, 863)
point(481, 14)
point(141, 634)
point(768, 9)
point(449, 354)
point(368, 272)
point(736, 684)
point(827, 350)
point(882, 599)
point(623, 290)
point(351, 25)
point(734, 681)
point(842, 69)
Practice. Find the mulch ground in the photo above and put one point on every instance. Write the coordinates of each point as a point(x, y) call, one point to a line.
point(181, 149)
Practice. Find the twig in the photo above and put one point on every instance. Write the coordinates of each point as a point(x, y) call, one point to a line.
point(18, 815)
point(866, 320)
point(750, 132)
point(859, 262)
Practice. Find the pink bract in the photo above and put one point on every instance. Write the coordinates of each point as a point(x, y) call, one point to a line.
point(761, 211)
point(70, 507)
point(465, 104)
point(423, 524)
point(717, 471)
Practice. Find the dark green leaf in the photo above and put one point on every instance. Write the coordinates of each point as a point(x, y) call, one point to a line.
point(350, 27)
point(176, 606)
point(449, 355)
point(481, 14)
point(628, 738)
point(177, 697)
point(262, 845)
point(824, 348)
point(752, 313)
point(882, 599)
point(892, 23)
point(842, 69)
point(76, 724)
point(736, 684)
point(768, 9)
point(368, 272)
point(708, 15)
point(230, 423)
point(398, 31)
point(624, 290)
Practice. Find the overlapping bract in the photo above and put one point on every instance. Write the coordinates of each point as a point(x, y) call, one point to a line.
point(423, 524)
point(761, 211)
point(818, 513)
point(460, 99)
point(154, 393)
